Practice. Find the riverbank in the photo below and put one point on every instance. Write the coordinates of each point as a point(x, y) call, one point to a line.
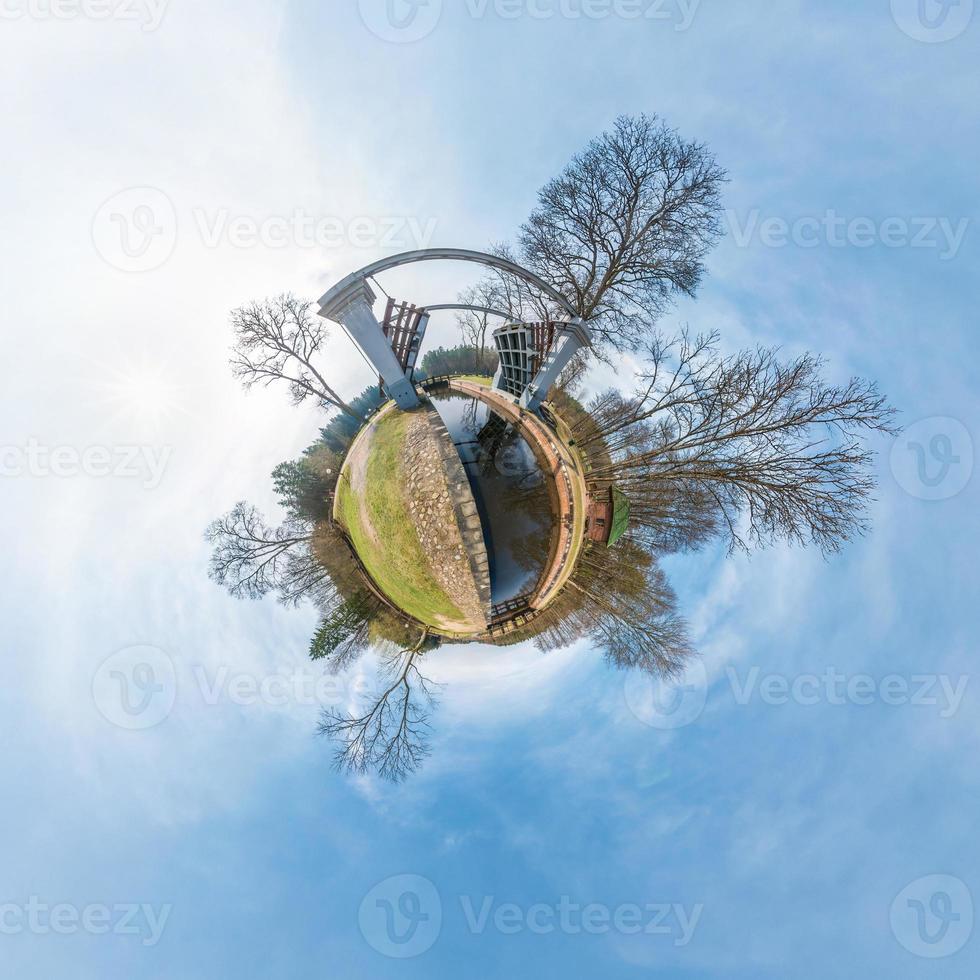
point(398, 506)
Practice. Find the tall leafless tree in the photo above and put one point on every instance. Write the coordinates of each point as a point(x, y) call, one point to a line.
point(278, 340)
point(633, 610)
point(391, 736)
point(757, 448)
point(474, 324)
point(252, 559)
point(621, 232)
point(619, 600)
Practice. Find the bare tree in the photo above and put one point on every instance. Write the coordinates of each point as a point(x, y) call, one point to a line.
point(620, 232)
point(619, 600)
point(391, 737)
point(572, 379)
point(250, 558)
point(474, 324)
point(277, 340)
point(510, 294)
point(745, 438)
point(632, 610)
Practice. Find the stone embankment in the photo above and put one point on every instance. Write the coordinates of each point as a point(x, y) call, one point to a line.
point(445, 515)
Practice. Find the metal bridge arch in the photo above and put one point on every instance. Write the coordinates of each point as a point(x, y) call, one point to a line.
point(350, 302)
point(468, 306)
point(447, 254)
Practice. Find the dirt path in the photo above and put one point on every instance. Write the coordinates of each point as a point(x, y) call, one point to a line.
point(356, 464)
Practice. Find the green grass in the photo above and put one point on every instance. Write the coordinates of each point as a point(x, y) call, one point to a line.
point(480, 379)
point(397, 563)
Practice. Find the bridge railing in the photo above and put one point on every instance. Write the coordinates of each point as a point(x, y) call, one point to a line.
point(437, 381)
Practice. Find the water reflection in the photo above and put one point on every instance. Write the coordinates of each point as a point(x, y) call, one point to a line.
point(510, 491)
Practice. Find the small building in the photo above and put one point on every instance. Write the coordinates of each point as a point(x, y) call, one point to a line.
point(608, 517)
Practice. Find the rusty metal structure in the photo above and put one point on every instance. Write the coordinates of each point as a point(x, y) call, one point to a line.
point(404, 326)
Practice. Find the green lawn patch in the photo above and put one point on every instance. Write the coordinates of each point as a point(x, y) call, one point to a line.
point(393, 555)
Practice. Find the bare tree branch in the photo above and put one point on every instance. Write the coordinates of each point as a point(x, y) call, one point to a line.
point(626, 226)
point(277, 340)
point(251, 559)
point(708, 443)
point(391, 737)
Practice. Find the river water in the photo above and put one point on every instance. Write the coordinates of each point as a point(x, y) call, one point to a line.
point(510, 491)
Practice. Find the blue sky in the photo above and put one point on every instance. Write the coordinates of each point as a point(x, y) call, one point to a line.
point(784, 830)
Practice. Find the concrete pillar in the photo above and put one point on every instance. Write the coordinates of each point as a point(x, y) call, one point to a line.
point(571, 338)
point(353, 307)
